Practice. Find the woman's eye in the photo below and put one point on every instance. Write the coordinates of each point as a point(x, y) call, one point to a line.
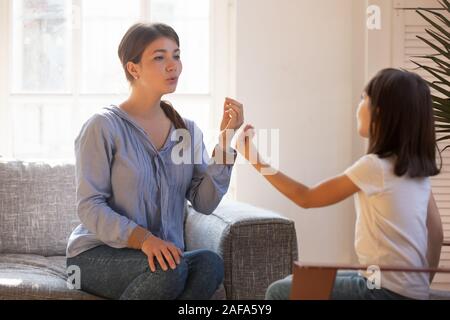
point(177, 57)
point(159, 58)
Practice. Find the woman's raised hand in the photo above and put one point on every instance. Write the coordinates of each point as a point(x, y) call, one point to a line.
point(232, 120)
point(233, 115)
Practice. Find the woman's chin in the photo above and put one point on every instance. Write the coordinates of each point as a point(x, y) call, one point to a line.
point(170, 90)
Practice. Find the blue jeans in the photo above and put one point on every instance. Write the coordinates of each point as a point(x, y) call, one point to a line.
point(125, 274)
point(347, 286)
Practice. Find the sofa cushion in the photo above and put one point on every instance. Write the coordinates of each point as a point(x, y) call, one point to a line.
point(27, 276)
point(37, 207)
point(31, 277)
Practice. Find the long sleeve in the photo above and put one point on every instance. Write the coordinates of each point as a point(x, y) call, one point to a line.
point(210, 180)
point(94, 154)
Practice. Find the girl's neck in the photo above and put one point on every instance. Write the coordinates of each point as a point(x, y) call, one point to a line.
point(142, 104)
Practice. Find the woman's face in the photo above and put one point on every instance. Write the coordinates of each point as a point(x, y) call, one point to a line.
point(160, 67)
point(363, 116)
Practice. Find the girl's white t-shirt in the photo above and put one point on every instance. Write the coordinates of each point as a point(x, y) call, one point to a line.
point(391, 214)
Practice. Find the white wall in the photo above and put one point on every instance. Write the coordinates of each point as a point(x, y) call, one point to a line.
point(299, 68)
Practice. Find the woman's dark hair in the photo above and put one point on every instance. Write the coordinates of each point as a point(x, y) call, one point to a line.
point(402, 122)
point(133, 45)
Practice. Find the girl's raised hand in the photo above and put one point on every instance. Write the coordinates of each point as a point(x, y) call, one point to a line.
point(244, 144)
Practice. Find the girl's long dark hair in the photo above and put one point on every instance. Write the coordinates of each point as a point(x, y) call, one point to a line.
point(402, 122)
point(131, 48)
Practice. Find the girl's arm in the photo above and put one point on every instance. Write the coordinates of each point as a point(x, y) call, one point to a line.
point(324, 194)
point(435, 235)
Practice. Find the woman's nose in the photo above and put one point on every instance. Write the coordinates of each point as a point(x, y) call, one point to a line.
point(171, 67)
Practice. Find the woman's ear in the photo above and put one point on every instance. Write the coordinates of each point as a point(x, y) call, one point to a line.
point(132, 69)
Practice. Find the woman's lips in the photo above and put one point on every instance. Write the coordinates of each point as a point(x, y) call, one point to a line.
point(172, 80)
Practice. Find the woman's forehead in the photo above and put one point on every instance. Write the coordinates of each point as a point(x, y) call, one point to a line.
point(161, 45)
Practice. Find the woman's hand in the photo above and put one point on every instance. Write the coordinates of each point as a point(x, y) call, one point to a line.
point(163, 251)
point(233, 115)
point(232, 120)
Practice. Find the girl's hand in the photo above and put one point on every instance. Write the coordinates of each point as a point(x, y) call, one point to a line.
point(163, 251)
point(233, 115)
point(244, 143)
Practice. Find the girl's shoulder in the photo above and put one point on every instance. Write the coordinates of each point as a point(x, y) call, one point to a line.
point(376, 161)
point(383, 166)
point(370, 160)
point(367, 173)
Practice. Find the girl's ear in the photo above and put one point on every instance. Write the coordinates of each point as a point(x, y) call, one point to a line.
point(132, 69)
point(377, 110)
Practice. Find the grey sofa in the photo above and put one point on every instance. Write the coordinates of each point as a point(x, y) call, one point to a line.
point(37, 214)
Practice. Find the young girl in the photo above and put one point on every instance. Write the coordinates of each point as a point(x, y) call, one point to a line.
point(132, 191)
point(398, 223)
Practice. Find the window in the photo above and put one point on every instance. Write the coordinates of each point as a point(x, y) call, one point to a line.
point(61, 66)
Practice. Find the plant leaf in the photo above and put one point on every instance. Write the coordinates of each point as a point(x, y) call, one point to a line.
point(436, 75)
point(436, 60)
point(435, 47)
point(433, 23)
point(444, 116)
point(433, 71)
point(444, 102)
point(441, 90)
point(445, 4)
point(439, 38)
point(443, 138)
point(442, 126)
point(437, 14)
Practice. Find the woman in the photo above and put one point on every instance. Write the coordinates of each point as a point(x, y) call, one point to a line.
point(132, 188)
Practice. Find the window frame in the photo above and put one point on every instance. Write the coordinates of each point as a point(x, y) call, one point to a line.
point(221, 50)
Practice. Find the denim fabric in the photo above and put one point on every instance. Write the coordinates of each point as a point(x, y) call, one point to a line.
point(125, 274)
point(347, 286)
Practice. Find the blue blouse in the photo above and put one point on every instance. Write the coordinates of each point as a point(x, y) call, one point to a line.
point(123, 181)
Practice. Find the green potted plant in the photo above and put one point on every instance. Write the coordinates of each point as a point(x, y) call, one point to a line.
point(441, 65)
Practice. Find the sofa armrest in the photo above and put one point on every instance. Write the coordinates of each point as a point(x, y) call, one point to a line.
point(258, 246)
